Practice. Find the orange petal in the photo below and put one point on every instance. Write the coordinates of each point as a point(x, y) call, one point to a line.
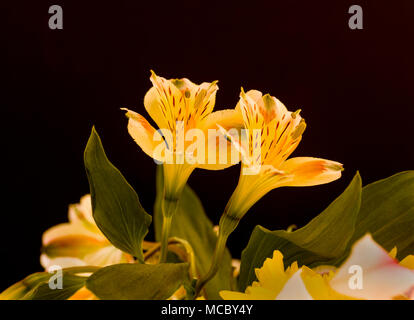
point(306, 171)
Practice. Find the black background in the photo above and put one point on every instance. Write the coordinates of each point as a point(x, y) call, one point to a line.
point(355, 89)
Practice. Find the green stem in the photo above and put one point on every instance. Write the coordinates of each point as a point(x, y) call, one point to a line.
point(217, 257)
point(166, 226)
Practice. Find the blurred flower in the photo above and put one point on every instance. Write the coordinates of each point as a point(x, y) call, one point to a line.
point(382, 277)
point(79, 242)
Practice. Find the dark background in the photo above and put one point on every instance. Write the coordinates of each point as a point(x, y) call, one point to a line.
point(355, 89)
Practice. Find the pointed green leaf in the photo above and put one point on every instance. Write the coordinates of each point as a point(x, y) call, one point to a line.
point(387, 212)
point(138, 281)
point(116, 207)
point(36, 286)
point(192, 224)
point(321, 241)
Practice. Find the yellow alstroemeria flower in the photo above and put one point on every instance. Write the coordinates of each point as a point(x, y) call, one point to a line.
point(382, 278)
point(273, 133)
point(79, 242)
point(181, 108)
point(177, 106)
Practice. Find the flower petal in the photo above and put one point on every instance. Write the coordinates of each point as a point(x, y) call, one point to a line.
point(70, 240)
point(144, 134)
point(317, 285)
point(169, 101)
point(272, 274)
point(222, 153)
point(307, 171)
point(382, 277)
point(408, 262)
point(294, 289)
point(107, 256)
point(63, 262)
point(83, 294)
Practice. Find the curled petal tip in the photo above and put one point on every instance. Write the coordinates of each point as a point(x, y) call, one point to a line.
point(335, 166)
point(297, 112)
point(242, 93)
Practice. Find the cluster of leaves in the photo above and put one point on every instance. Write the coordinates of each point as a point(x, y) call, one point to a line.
point(384, 208)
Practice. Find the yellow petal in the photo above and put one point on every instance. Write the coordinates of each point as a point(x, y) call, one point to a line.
point(220, 153)
point(107, 256)
point(63, 231)
point(272, 277)
point(318, 285)
point(175, 100)
point(408, 262)
point(63, 262)
point(82, 211)
point(70, 240)
point(393, 253)
point(83, 294)
point(144, 135)
point(272, 274)
point(307, 171)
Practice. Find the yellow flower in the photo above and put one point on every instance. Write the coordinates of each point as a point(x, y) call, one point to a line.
point(272, 134)
point(79, 242)
point(274, 282)
point(183, 112)
point(381, 278)
point(272, 277)
point(178, 106)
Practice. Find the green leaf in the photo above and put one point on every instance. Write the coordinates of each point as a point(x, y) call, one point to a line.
point(116, 207)
point(387, 212)
point(138, 281)
point(71, 284)
point(321, 241)
point(36, 286)
point(191, 223)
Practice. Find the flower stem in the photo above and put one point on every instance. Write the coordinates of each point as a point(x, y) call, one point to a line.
point(228, 223)
point(166, 226)
point(217, 257)
point(169, 207)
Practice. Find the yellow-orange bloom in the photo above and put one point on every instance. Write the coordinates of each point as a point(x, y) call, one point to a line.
point(272, 134)
point(177, 106)
point(183, 112)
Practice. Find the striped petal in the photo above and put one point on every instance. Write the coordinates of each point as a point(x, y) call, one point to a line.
point(169, 101)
